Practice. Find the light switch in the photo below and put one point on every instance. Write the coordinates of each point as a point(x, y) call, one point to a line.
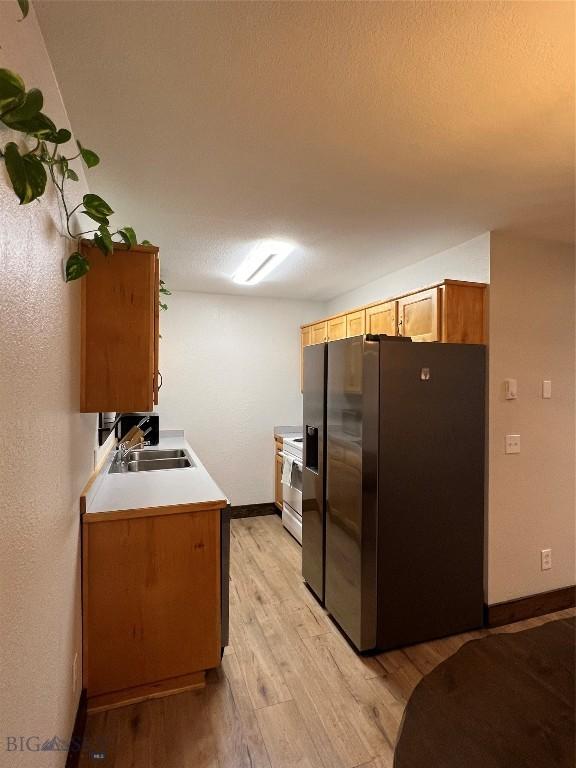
point(511, 389)
point(547, 389)
point(512, 443)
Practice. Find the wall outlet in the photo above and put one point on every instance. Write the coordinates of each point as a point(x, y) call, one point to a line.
point(546, 559)
point(547, 389)
point(512, 443)
point(75, 673)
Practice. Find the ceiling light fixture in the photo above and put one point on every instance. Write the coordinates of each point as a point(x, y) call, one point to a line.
point(261, 261)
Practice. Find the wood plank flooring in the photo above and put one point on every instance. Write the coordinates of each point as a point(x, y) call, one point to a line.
point(290, 691)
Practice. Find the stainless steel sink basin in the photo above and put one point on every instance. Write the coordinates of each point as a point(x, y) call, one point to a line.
point(146, 465)
point(157, 453)
point(143, 460)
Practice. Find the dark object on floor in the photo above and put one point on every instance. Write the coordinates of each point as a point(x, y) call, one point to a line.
point(253, 510)
point(505, 701)
point(77, 738)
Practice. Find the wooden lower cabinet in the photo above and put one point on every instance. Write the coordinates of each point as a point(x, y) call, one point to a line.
point(278, 462)
point(151, 604)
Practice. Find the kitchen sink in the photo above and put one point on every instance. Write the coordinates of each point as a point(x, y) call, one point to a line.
point(143, 460)
point(157, 453)
point(146, 465)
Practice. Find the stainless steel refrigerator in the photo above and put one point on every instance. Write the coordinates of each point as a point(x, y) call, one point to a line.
point(393, 487)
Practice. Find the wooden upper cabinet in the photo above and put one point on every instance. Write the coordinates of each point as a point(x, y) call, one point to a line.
point(318, 333)
point(355, 323)
point(451, 311)
point(337, 328)
point(119, 330)
point(463, 313)
point(419, 315)
point(382, 318)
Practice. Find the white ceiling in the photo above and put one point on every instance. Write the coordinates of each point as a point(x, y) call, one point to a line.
point(372, 134)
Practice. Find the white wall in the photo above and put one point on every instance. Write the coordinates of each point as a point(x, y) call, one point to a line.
point(46, 452)
point(531, 495)
point(468, 261)
point(231, 371)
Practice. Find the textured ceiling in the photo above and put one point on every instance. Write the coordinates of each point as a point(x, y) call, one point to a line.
point(371, 134)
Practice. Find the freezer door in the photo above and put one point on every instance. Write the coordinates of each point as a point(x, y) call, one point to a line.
point(431, 488)
point(313, 478)
point(351, 488)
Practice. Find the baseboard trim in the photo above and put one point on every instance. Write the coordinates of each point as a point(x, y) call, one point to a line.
point(77, 739)
point(253, 510)
point(527, 607)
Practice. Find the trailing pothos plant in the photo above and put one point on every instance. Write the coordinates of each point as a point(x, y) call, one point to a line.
point(42, 157)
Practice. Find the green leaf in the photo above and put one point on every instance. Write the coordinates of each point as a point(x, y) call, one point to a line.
point(26, 172)
point(164, 290)
point(96, 217)
point(72, 175)
point(95, 204)
point(106, 238)
point(128, 236)
point(40, 126)
point(24, 7)
point(89, 156)
point(76, 266)
point(61, 136)
point(28, 107)
point(100, 244)
point(164, 307)
point(12, 90)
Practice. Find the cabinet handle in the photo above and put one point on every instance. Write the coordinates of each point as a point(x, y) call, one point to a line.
point(399, 327)
point(160, 384)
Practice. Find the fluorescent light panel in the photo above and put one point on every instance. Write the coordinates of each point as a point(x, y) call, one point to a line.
point(261, 261)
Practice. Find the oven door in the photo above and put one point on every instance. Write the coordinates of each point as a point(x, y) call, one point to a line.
point(292, 501)
point(292, 492)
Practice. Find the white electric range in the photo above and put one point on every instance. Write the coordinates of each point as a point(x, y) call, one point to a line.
point(292, 486)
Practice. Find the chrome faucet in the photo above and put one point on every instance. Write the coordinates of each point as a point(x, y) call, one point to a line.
point(124, 448)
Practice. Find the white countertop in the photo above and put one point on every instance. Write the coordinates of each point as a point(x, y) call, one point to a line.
point(295, 431)
point(158, 488)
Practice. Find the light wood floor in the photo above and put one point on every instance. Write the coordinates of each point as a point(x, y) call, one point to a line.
point(290, 691)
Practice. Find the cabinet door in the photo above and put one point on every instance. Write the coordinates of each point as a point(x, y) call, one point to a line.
point(164, 621)
point(337, 328)
point(355, 322)
point(119, 330)
point(463, 313)
point(156, 384)
point(278, 481)
point(318, 333)
point(419, 316)
point(382, 318)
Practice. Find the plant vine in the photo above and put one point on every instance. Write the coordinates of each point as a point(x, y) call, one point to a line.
point(30, 167)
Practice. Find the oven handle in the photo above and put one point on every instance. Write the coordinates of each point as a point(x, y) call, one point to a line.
point(294, 459)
